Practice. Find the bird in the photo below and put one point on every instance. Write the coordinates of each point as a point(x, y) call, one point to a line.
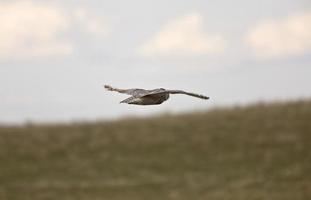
point(150, 97)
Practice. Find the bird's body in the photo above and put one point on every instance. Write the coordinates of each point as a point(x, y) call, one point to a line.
point(153, 99)
point(150, 97)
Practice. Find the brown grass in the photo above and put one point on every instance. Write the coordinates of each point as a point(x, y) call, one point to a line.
point(244, 153)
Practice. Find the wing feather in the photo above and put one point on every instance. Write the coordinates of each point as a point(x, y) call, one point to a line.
point(180, 92)
point(187, 93)
point(134, 92)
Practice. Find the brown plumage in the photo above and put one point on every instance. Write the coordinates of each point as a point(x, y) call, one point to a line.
point(150, 97)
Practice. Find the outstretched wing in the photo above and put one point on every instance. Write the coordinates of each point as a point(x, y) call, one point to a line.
point(134, 92)
point(161, 91)
point(187, 93)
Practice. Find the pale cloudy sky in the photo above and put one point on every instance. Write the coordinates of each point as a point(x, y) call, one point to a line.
point(56, 55)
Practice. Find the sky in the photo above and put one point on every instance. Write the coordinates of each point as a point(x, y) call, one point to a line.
point(56, 55)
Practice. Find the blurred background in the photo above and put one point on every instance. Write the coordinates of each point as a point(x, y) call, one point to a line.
point(62, 136)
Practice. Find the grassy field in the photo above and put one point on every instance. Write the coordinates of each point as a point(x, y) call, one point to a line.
point(259, 152)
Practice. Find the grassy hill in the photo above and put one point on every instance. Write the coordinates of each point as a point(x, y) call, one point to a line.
point(257, 152)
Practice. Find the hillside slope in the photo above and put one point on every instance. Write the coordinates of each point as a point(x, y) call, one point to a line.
point(252, 153)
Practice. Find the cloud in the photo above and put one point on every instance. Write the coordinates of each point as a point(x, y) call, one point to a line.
point(29, 29)
point(276, 38)
point(182, 37)
point(32, 30)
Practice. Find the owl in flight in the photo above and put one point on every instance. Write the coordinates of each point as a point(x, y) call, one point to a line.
point(150, 97)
